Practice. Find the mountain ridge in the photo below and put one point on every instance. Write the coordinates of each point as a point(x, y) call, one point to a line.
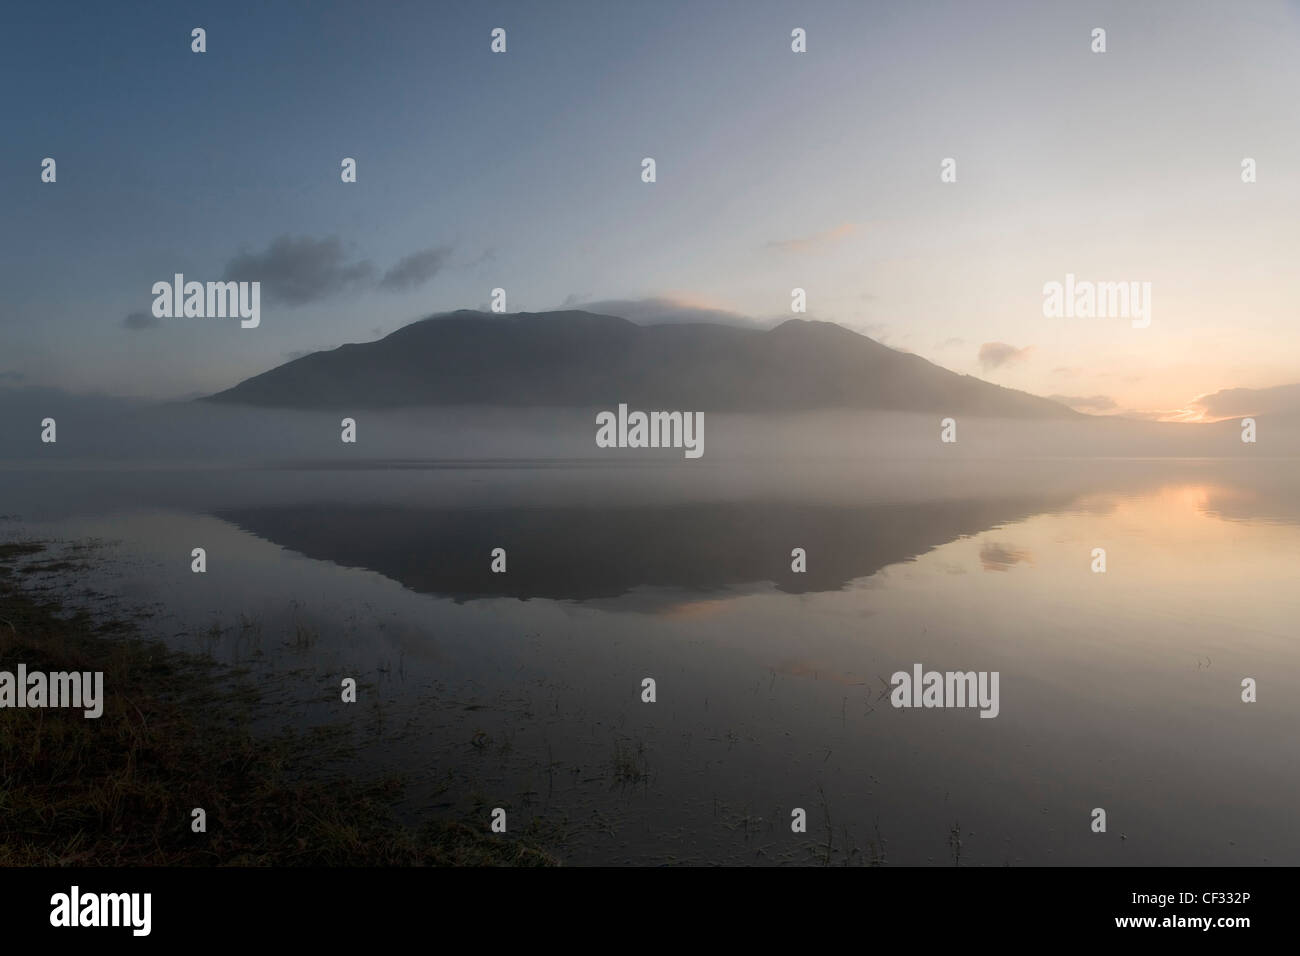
point(574, 358)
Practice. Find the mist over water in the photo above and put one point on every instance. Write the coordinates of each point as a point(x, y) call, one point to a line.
point(95, 430)
point(1119, 690)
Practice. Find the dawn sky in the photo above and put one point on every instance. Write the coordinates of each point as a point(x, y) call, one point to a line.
point(774, 170)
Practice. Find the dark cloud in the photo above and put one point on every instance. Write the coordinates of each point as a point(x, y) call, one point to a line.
point(487, 255)
point(141, 320)
point(300, 270)
point(414, 270)
point(10, 375)
point(1087, 403)
point(997, 354)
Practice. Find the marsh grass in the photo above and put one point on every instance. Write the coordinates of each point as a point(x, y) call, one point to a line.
point(630, 765)
point(176, 734)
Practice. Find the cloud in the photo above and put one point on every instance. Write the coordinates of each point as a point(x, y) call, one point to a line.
point(489, 254)
point(301, 270)
point(10, 375)
point(1161, 414)
point(414, 270)
point(141, 320)
point(1087, 403)
point(951, 343)
point(1242, 402)
point(298, 271)
point(817, 241)
point(997, 354)
point(669, 310)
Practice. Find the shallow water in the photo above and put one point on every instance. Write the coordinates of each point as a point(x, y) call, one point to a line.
point(522, 690)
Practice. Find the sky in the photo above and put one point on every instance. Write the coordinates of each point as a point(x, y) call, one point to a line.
point(774, 170)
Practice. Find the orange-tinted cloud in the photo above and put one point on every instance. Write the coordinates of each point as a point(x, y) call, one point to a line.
point(814, 242)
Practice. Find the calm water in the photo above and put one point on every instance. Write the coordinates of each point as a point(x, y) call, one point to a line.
point(1119, 690)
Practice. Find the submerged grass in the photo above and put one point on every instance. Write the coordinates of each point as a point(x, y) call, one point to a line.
point(176, 735)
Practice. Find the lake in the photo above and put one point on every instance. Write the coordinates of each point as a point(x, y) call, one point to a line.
point(1119, 690)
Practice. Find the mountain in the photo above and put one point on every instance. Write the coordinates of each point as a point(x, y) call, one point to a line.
point(581, 359)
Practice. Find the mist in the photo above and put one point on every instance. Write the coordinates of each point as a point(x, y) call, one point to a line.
point(100, 429)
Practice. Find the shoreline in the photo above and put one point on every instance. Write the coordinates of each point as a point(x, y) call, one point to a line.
point(176, 736)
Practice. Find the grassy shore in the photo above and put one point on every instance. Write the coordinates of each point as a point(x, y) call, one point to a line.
point(175, 735)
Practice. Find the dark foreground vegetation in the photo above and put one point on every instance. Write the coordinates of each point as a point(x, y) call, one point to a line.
point(176, 734)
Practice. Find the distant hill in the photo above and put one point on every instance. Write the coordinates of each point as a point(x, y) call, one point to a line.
point(580, 359)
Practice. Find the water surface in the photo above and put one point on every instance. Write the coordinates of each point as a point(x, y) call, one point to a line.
point(522, 690)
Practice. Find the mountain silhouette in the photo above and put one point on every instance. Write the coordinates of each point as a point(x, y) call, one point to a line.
point(581, 359)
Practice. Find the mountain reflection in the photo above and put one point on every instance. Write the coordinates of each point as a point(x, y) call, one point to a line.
point(586, 553)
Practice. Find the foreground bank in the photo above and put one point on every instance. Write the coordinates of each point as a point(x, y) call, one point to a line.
point(175, 736)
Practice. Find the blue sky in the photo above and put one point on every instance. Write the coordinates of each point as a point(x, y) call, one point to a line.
point(775, 170)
